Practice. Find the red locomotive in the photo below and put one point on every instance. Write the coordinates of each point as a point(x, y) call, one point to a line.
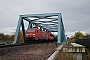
point(50, 36)
point(36, 34)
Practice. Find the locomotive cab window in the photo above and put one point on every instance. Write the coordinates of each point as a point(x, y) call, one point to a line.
point(51, 35)
point(31, 30)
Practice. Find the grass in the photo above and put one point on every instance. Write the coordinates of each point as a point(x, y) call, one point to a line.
point(86, 55)
point(65, 56)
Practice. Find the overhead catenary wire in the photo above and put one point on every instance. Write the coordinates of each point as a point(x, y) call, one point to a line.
point(8, 8)
point(53, 20)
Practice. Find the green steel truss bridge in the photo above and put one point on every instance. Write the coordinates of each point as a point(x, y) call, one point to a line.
point(49, 22)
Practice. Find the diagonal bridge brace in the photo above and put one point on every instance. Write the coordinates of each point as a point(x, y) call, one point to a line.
point(60, 30)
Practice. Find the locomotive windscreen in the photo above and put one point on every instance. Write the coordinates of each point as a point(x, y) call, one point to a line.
point(31, 30)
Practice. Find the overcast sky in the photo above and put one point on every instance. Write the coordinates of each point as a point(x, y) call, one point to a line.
point(75, 13)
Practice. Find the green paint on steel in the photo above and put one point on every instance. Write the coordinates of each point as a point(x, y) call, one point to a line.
point(53, 25)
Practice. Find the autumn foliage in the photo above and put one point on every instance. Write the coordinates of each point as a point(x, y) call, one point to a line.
point(77, 35)
point(10, 37)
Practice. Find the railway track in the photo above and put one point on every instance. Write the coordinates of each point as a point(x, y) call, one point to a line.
point(21, 44)
point(11, 45)
point(38, 51)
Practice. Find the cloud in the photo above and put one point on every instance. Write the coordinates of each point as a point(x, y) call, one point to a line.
point(8, 30)
point(75, 13)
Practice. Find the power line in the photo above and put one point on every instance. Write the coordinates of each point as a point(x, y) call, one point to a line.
point(7, 8)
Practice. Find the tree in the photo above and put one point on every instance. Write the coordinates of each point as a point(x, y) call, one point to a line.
point(20, 38)
point(78, 35)
point(7, 37)
point(2, 36)
point(87, 35)
point(12, 37)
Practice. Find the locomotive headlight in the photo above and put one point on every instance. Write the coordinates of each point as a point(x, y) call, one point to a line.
point(27, 34)
point(33, 34)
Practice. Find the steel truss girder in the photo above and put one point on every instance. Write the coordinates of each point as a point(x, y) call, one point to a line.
point(45, 18)
point(40, 15)
point(61, 31)
point(47, 21)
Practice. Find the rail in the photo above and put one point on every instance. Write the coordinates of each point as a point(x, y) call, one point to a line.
point(55, 54)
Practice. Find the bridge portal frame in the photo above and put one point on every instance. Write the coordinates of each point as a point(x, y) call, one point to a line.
point(61, 31)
